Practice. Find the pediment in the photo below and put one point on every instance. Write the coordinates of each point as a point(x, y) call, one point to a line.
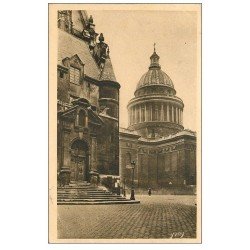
point(94, 118)
point(73, 61)
point(76, 60)
point(69, 114)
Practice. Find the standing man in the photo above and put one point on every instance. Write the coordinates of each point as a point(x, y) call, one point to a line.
point(149, 191)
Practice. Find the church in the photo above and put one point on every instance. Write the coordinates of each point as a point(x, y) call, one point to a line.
point(87, 101)
point(89, 141)
point(164, 152)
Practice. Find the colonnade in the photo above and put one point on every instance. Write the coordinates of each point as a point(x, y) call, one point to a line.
point(147, 112)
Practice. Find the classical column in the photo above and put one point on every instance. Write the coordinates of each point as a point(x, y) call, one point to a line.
point(167, 112)
point(140, 112)
point(146, 114)
point(93, 165)
point(129, 117)
point(77, 119)
point(181, 117)
point(172, 113)
point(162, 112)
point(86, 121)
point(151, 112)
point(133, 114)
point(65, 152)
point(131, 110)
point(176, 115)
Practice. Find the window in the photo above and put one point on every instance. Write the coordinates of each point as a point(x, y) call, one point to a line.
point(128, 159)
point(74, 75)
point(82, 119)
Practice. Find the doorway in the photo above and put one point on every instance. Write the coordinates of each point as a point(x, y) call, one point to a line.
point(79, 161)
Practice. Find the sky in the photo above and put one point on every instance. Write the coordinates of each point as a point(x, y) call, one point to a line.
point(131, 35)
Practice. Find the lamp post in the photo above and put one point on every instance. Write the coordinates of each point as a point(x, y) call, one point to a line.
point(132, 197)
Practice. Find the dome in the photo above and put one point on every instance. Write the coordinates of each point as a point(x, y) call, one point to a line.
point(155, 76)
point(155, 111)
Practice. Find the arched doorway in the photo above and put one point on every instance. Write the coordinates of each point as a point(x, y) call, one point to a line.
point(79, 160)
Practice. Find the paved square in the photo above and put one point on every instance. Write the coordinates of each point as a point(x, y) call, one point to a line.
point(157, 216)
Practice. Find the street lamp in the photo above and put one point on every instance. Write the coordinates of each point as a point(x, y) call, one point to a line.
point(132, 197)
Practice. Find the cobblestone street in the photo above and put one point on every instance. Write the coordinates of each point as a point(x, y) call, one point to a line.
point(155, 217)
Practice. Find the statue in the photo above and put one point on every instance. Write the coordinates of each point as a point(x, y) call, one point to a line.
point(101, 50)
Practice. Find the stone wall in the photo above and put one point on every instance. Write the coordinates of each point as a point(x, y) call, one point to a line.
point(171, 163)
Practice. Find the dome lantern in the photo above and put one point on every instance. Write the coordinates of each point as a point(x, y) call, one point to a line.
point(154, 58)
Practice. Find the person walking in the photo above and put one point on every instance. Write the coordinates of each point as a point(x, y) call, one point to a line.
point(149, 191)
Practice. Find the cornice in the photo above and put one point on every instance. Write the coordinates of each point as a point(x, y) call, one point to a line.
point(155, 98)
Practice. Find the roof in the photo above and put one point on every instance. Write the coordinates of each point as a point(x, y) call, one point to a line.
point(107, 73)
point(69, 45)
point(155, 76)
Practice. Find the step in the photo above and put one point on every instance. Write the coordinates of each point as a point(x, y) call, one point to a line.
point(90, 197)
point(85, 194)
point(93, 195)
point(97, 202)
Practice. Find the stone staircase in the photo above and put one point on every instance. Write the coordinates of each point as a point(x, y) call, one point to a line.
point(83, 193)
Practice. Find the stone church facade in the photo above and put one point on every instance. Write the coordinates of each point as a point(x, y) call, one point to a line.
point(164, 152)
point(87, 100)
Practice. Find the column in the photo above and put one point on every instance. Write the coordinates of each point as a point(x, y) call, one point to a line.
point(176, 115)
point(181, 117)
point(86, 120)
point(146, 114)
point(129, 117)
point(168, 112)
point(93, 155)
point(151, 113)
point(77, 119)
point(172, 113)
point(133, 114)
point(131, 109)
point(162, 112)
point(155, 113)
point(140, 112)
point(66, 152)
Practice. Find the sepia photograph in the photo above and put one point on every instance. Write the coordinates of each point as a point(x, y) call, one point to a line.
point(125, 123)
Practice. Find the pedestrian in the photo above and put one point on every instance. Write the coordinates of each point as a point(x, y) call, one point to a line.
point(124, 192)
point(149, 191)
